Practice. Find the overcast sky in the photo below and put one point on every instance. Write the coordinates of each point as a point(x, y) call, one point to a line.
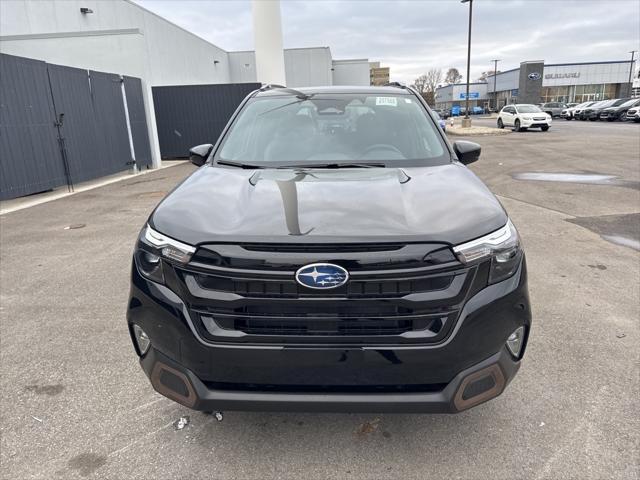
point(414, 36)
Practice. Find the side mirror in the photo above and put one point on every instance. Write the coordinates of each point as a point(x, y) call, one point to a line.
point(467, 152)
point(199, 154)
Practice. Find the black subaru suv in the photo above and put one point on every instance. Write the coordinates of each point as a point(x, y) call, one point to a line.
point(332, 253)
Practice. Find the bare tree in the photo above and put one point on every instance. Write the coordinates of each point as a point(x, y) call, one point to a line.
point(485, 75)
point(453, 76)
point(427, 83)
point(420, 84)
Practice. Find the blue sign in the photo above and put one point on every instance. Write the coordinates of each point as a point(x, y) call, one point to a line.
point(514, 92)
point(455, 110)
point(463, 95)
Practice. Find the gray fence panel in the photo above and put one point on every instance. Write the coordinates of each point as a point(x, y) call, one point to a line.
point(194, 114)
point(138, 121)
point(30, 159)
point(111, 123)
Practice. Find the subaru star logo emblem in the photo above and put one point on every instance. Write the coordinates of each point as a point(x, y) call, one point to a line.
point(535, 76)
point(322, 276)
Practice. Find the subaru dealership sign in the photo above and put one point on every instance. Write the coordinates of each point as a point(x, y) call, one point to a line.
point(463, 95)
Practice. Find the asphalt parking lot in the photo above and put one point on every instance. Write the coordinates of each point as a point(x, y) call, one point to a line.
point(75, 403)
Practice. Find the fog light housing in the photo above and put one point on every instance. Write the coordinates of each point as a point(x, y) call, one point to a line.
point(516, 341)
point(142, 339)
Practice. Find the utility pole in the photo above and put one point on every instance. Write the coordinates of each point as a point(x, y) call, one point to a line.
point(466, 123)
point(495, 76)
point(633, 53)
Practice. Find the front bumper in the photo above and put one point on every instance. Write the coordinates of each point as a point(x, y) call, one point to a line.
point(535, 123)
point(205, 375)
point(471, 387)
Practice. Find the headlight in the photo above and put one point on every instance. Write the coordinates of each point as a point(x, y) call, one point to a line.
point(152, 247)
point(501, 246)
point(526, 118)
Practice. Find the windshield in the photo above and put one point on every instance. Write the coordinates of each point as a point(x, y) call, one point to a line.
point(333, 128)
point(630, 103)
point(528, 109)
point(620, 101)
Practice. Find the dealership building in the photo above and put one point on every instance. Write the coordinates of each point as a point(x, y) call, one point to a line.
point(536, 81)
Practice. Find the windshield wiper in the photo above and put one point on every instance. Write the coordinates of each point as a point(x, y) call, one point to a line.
point(337, 165)
point(239, 165)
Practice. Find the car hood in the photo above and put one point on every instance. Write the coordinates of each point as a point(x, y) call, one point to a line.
point(445, 203)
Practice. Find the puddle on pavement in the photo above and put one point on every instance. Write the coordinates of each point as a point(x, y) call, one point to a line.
point(623, 229)
point(583, 178)
point(624, 241)
point(566, 177)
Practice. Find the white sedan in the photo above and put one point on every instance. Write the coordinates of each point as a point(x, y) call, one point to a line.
point(521, 116)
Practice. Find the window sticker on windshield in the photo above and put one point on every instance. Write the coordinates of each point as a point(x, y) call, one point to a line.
point(387, 101)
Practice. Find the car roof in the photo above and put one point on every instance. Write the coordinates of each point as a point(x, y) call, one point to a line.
point(279, 92)
point(524, 105)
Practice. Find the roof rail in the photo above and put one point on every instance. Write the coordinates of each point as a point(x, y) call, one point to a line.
point(395, 84)
point(270, 86)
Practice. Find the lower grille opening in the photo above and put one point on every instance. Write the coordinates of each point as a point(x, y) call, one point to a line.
point(330, 327)
point(255, 387)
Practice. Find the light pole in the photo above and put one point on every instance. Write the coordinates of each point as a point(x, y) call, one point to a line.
point(466, 122)
point(495, 77)
point(633, 53)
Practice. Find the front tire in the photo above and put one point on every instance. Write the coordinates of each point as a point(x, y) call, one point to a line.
point(517, 127)
point(500, 124)
point(568, 118)
point(544, 129)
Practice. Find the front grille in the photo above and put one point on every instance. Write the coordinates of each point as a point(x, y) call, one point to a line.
point(539, 118)
point(289, 288)
point(396, 294)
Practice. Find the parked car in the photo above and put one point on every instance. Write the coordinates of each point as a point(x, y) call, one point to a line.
point(592, 113)
point(554, 109)
point(522, 116)
point(441, 121)
point(570, 113)
point(619, 112)
point(303, 270)
point(442, 112)
point(633, 115)
point(585, 112)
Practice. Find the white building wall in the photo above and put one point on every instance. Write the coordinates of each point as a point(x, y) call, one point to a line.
point(509, 80)
point(119, 37)
point(308, 67)
point(242, 67)
point(351, 72)
point(304, 67)
point(461, 89)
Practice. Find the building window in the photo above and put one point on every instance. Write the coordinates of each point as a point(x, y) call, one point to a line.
point(556, 94)
point(578, 93)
